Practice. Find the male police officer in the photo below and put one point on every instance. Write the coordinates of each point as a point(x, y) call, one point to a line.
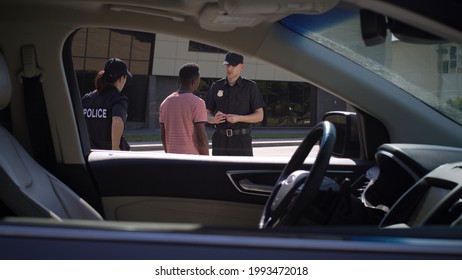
point(105, 109)
point(233, 104)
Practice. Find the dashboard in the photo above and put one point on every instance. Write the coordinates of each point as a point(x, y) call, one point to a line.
point(416, 185)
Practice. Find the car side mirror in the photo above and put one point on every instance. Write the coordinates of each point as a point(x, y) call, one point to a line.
point(346, 126)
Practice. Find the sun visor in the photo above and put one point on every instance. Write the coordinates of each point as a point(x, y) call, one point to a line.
point(227, 15)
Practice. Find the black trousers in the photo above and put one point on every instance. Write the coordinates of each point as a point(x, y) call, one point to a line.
point(236, 145)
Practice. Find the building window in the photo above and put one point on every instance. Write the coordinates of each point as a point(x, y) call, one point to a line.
point(287, 103)
point(199, 47)
point(93, 46)
point(451, 59)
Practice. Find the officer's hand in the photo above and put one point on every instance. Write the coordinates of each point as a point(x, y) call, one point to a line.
point(233, 118)
point(220, 117)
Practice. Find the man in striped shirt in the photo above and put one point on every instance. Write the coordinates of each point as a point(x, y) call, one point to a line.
point(183, 116)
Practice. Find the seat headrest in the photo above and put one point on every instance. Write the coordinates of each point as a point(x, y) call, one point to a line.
point(5, 83)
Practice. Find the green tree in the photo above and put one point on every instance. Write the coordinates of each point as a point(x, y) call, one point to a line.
point(456, 103)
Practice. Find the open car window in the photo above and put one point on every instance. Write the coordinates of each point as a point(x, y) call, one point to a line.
point(155, 59)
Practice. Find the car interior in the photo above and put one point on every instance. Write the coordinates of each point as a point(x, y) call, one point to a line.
point(28, 188)
point(32, 191)
point(391, 170)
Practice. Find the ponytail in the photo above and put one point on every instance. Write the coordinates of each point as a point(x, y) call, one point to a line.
point(99, 81)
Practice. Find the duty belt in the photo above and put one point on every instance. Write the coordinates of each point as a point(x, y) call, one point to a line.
point(231, 132)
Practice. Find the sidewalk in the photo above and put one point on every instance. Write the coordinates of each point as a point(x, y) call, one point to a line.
point(282, 141)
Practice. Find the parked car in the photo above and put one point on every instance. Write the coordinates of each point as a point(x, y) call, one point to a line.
point(386, 182)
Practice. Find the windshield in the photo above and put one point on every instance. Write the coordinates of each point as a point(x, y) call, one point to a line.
point(430, 72)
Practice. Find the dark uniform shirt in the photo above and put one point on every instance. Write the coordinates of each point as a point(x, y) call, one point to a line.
point(98, 109)
point(242, 98)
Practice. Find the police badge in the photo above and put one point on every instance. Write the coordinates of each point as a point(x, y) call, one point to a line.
point(220, 93)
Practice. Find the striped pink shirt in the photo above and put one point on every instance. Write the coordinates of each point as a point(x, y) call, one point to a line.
point(178, 113)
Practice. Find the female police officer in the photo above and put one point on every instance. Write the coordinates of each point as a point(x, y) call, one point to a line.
point(105, 109)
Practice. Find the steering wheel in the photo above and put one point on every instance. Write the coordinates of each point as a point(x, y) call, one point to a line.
point(295, 189)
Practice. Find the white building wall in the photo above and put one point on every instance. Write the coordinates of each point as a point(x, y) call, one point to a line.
point(170, 53)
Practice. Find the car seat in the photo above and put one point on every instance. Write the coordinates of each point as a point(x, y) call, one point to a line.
point(26, 188)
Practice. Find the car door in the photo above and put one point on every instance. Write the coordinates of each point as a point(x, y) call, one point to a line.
point(144, 186)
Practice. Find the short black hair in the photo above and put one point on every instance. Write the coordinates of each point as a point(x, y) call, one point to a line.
point(188, 72)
